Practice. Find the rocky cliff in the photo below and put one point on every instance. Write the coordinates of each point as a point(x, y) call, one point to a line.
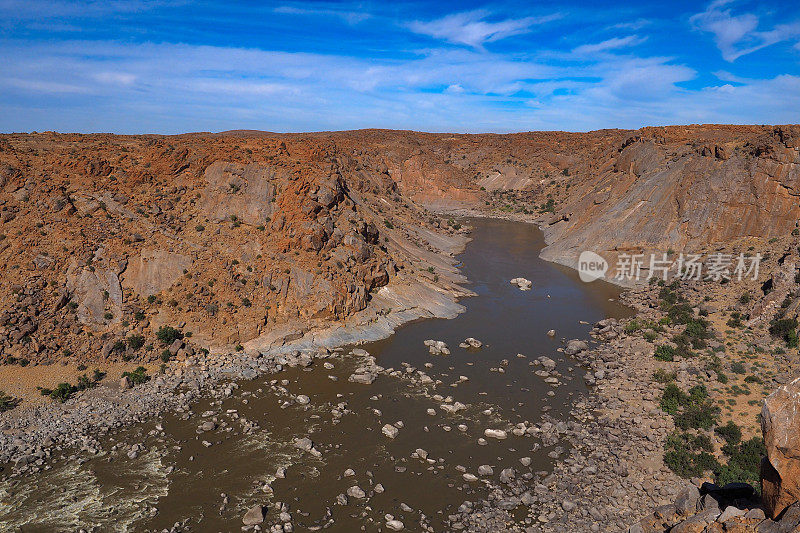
point(228, 237)
point(611, 191)
point(243, 235)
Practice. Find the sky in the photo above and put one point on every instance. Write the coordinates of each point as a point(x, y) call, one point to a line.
point(174, 66)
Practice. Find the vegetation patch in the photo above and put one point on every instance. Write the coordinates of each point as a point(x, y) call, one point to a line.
point(689, 451)
point(65, 391)
point(7, 402)
point(137, 376)
point(168, 334)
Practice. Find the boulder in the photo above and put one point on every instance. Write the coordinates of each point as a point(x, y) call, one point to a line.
point(575, 346)
point(255, 515)
point(498, 434)
point(780, 470)
point(394, 525)
point(390, 431)
point(522, 283)
point(356, 492)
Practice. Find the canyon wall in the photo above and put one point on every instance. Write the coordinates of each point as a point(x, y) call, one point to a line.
point(234, 236)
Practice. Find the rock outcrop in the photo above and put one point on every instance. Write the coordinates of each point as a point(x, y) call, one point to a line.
point(780, 470)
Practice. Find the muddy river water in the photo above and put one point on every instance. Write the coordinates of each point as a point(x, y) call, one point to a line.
point(208, 479)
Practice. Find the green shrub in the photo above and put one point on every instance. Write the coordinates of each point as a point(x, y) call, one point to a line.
point(168, 334)
point(85, 383)
point(632, 326)
point(673, 398)
point(744, 462)
point(7, 402)
point(738, 368)
point(135, 341)
point(730, 432)
point(166, 355)
point(62, 392)
point(65, 391)
point(137, 376)
point(786, 329)
point(664, 353)
point(745, 298)
point(735, 321)
point(689, 455)
point(662, 376)
point(702, 416)
point(119, 346)
point(690, 410)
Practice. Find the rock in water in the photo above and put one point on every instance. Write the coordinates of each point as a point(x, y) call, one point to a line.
point(390, 431)
point(254, 516)
point(780, 470)
point(394, 525)
point(522, 283)
point(356, 492)
point(496, 434)
point(575, 346)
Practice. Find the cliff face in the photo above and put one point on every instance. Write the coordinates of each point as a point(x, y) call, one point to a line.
point(681, 189)
point(612, 191)
point(229, 237)
point(236, 235)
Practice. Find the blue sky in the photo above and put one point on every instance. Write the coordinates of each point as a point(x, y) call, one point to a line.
point(176, 66)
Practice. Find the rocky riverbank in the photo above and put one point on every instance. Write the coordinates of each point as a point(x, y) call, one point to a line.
point(619, 438)
point(32, 434)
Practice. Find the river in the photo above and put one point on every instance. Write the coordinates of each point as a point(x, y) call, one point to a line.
point(176, 476)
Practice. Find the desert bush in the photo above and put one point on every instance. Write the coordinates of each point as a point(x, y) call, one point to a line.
point(137, 376)
point(135, 341)
point(730, 432)
point(168, 334)
point(664, 353)
point(7, 402)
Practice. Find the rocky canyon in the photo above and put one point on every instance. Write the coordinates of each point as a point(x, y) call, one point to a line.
point(150, 257)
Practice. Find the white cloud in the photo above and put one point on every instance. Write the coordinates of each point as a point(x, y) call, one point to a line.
point(172, 88)
point(118, 78)
point(738, 35)
point(632, 26)
point(471, 29)
point(351, 17)
point(608, 45)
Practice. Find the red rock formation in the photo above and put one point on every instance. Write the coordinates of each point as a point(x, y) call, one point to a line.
point(780, 470)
